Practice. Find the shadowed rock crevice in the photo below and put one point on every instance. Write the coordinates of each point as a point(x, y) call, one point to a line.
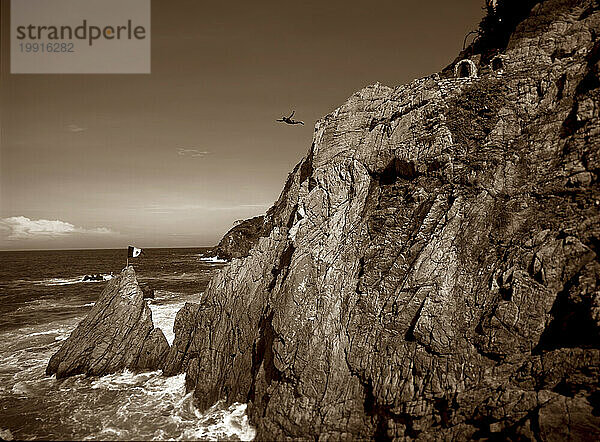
point(263, 357)
point(306, 170)
point(383, 416)
point(283, 267)
point(574, 322)
point(397, 169)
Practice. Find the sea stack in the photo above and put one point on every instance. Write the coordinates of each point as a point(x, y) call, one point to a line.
point(430, 270)
point(118, 333)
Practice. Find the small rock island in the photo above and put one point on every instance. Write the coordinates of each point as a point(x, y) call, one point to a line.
point(117, 333)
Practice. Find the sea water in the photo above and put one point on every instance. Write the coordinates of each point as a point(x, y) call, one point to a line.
point(42, 299)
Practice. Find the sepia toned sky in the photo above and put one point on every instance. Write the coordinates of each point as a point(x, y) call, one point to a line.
point(172, 158)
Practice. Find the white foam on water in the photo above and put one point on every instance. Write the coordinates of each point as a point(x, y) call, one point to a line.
point(163, 317)
point(22, 369)
point(26, 351)
point(20, 389)
point(152, 396)
point(157, 407)
point(59, 281)
point(47, 332)
point(120, 406)
point(213, 260)
point(117, 381)
point(111, 433)
point(221, 423)
point(164, 310)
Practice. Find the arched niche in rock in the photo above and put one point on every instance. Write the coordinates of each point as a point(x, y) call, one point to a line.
point(497, 64)
point(465, 69)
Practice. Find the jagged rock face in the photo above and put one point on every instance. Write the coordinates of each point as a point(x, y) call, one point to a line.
point(118, 333)
point(431, 267)
point(238, 241)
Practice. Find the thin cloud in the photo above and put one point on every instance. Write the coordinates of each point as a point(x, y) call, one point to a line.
point(21, 227)
point(75, 128)
point(194, 153)
point(158, 208)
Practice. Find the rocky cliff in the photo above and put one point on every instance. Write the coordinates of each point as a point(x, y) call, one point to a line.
point(431, 268)
point(118, 333)
point(238, 241)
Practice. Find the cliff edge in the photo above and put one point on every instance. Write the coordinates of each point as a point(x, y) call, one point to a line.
point(430, 270)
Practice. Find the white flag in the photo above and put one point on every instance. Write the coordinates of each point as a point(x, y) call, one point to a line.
point(133, 252)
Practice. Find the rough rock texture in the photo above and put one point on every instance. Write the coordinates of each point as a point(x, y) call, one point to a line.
point(238, 241)
point(430, 270)
point(118, 333)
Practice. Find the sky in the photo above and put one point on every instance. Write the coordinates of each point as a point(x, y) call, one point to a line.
point(173, 158)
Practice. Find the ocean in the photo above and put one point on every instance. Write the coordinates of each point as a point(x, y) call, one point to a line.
point(42, 299)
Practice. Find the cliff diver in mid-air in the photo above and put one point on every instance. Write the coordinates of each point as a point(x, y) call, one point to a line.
point(288, 120)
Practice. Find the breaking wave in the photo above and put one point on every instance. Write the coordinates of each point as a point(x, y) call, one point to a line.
point(39, 313)
point(213, 259)
point(153, 394)
point(120, 406)
point(163, 317)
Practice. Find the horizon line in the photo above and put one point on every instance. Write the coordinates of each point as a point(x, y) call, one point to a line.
point(104, 248)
